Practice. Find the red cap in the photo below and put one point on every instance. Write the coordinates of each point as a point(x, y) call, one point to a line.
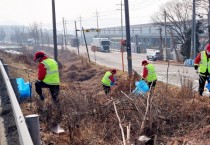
point(38, 54)
point(143, 62)
point(208, 48)
point(114, 71)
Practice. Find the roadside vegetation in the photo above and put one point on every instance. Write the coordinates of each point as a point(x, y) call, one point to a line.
point(169, 116)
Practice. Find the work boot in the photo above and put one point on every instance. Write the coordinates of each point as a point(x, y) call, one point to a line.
point(41, 97)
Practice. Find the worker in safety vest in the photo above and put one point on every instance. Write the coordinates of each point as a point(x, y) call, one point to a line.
point(48, 76)
point(202, 66)
point(107, 80)
point(149, 74)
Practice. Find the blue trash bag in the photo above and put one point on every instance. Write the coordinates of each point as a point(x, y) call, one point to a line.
point(24, 88)
point(113, 83)
point(141, 88)
point(208, 86)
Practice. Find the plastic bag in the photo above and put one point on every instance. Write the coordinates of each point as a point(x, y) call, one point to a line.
point(141, 88)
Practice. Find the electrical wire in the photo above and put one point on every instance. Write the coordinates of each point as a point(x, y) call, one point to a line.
point(104, 15)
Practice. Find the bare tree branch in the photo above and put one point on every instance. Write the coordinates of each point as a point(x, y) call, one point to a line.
point(178, 15)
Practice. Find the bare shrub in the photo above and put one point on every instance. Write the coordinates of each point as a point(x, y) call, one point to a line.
point(74, 108)
point(186, 84)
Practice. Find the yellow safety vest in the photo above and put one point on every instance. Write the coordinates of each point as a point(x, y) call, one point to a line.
point(204, 63)
point(151, 73)
point(52, 74)
point(105, 80)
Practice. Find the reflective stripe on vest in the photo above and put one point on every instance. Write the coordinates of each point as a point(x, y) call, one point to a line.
point(204, 63)
point(151, 73)
point(105, 80)
point(52, 74)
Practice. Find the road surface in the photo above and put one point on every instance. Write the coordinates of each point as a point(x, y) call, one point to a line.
point(176, 73)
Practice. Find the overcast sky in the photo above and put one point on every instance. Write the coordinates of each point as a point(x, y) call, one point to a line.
point(25, 12)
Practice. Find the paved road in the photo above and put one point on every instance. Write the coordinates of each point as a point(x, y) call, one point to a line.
point(176, 73)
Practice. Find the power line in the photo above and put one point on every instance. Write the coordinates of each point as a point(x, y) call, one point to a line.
point(142, 4)
point(134, 3)
point(110, 14)
point(148, 4)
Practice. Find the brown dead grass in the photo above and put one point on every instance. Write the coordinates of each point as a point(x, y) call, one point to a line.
point(178, 114)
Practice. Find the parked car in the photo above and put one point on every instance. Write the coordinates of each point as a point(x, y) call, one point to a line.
point(154, 55)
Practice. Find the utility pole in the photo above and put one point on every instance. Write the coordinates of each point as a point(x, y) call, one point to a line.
point(161, 39)
point(62, 47)
point(128, 42)
point(193, 31)
point(86, 44)
point(66, 35)
point(80, 19)
point(165, 35)
point(77, 40)
point(54, 31)
point(194, 36)
point(64, 32)
point(121, 8)
point(122, 18)
point(97, 22)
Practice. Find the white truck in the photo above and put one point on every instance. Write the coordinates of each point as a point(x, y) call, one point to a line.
point(102, 44)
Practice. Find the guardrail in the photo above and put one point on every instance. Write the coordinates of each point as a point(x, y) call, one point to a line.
point(23, 132)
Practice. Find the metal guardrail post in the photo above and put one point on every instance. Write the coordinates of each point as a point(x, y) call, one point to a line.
point(24, 136)
point(34, 128)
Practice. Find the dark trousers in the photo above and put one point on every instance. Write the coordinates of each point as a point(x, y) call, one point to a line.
point(54, 89)
point(202, 82)
point(107, 89)
point(152, 84)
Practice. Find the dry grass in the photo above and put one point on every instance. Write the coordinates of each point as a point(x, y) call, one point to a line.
point(88, 115)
